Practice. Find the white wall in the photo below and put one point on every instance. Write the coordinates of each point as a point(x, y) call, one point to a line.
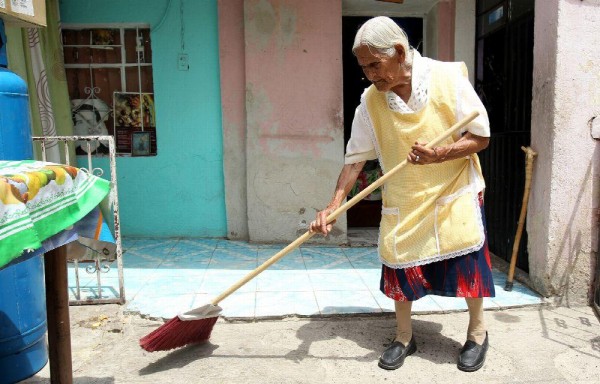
point(561, 224)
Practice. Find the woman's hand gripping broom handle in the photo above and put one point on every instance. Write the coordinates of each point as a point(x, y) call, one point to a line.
point(343, 208)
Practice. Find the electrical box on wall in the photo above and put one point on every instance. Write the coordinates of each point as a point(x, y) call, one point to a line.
point(182, 62)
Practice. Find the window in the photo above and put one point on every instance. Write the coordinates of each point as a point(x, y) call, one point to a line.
point(109, 77)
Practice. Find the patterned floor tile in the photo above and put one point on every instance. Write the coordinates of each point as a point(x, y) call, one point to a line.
point(231, 244)
point(232, 262)
point(489, 303)
point(450, 303)
point(286, 303)
point(340, 302)
point(361, 252)
point(187, 251)
point(516, 297)
point(322, 251)
point(199, 244)
point(185, 263)
point(365, 261)
point(385, 303)
point(424, 305)
point(217, 281)
point(92, 292)
point(284, 280)
point(84, 276)
point(128, 242)
point(166, 307)
point(164, 277)
point(337, 280)
point(137, 259)
point(370, 277)
point(175, 286)
point(324, 258)
point(291, 261)
point(239, 304)
point(153, 246)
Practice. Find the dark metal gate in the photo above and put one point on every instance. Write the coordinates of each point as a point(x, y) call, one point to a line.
point(504, 76)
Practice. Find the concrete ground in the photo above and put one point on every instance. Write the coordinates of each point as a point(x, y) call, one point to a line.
point(541, 344)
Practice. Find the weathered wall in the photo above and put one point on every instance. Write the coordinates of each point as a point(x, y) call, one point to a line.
point(464, 35)
point(442, 23)
point(561, 225)
point(445, 28)
point(431, 32)
point(293, 113)
point(233, 84)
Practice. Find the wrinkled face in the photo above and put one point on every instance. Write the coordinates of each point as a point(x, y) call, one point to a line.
point(383, 71)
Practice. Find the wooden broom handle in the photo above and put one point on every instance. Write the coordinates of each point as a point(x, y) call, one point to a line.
point(530, 155)
point(343, 208)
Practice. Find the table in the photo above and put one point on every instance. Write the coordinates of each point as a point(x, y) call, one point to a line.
point(38, 201)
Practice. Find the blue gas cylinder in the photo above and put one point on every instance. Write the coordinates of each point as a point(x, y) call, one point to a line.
point(23, 347)
point(15, 126)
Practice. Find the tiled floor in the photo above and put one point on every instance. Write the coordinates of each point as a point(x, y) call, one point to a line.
point(165, 276)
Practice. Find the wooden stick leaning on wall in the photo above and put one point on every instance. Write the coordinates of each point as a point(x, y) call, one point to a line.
point(530, 155)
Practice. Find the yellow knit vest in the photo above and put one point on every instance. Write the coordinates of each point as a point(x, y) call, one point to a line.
point(430, 212)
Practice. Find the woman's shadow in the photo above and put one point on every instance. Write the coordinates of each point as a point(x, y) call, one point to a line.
point(373, 335)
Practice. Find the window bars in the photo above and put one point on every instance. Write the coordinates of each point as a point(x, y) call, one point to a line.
point(100, 261)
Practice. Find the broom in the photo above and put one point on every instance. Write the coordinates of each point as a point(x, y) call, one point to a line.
point(196, 325)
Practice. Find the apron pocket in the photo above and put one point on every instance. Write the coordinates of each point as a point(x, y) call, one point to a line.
point(458, 223)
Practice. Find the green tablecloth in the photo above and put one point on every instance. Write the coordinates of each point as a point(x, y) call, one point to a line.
point(39, 199)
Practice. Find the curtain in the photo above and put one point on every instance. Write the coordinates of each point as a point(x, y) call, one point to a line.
point(36, 55)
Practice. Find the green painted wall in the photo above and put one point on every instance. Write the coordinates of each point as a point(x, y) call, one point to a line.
point(180, 192)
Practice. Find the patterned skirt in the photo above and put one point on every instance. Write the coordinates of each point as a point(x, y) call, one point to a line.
point(464, 276)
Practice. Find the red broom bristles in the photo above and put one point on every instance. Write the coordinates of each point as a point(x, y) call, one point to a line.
point(176, 333)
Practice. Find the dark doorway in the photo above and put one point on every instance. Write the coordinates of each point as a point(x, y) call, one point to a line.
point(504, 78)
point(366, 213)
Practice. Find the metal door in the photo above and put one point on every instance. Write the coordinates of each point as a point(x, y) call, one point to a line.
point(504, 75)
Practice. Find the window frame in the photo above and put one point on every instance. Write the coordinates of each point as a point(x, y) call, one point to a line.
point(122, 66)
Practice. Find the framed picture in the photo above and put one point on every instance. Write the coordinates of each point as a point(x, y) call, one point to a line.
point(140, 143)
point(135, 124)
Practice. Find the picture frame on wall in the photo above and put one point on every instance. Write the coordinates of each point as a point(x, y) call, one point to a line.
point(135, 124)
point(140, 143)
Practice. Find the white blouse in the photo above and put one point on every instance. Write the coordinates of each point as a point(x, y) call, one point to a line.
point(361, 147)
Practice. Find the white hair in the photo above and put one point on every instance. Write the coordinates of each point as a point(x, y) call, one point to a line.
point(382, 34)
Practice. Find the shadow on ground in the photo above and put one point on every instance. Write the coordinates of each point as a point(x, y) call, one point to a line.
point(372, 337)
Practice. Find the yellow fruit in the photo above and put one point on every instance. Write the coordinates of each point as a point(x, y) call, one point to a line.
point(9, 194)
point(43, 178)
point(72, 171)
point(33, 185)
point(49, 174)
point(61, 174)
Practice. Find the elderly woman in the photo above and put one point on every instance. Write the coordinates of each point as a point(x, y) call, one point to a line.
point(432, 234)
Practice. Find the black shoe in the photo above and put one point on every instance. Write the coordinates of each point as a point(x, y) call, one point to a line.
point(393, 356)
point(472, 355)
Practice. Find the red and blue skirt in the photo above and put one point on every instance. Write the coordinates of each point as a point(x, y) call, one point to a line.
point(469, 275)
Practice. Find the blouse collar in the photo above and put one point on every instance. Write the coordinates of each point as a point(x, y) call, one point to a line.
point(419, 83)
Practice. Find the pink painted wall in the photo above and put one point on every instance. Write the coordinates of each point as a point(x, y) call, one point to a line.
point(445, 29)
point(440, 31)
point(233, 103)
point(293, 114)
